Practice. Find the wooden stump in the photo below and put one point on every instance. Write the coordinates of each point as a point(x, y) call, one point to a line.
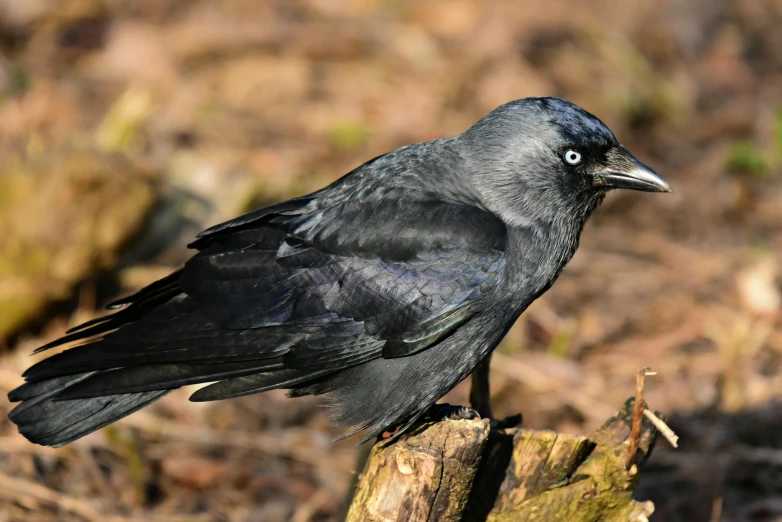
point(460, 470)
point(425, 476)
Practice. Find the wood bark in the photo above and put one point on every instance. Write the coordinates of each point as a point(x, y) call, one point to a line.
point(424, 476)
point(461, 470)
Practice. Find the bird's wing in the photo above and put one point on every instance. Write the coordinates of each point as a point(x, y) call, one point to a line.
point(289, 294)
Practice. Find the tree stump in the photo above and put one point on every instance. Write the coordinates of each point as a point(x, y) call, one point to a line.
point(461, 470)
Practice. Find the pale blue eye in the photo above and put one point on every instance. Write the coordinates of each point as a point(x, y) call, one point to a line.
point(572, 157)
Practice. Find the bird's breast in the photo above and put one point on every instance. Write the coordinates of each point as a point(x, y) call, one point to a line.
point(535, 257)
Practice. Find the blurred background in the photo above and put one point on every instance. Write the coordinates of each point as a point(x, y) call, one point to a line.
point(128, 126)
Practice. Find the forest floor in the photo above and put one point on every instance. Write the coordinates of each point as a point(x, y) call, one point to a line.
point(126, 127)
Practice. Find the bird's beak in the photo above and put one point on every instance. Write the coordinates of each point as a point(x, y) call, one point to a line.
point(622, 170)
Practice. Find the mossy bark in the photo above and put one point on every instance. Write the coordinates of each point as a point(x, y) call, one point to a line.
point(458, 470)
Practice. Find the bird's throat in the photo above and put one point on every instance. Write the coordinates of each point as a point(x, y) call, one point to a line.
point(536, 255)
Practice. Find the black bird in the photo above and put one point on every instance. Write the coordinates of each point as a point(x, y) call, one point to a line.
point(382, 290)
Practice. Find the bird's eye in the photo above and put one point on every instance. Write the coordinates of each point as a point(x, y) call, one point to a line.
point(572, 157)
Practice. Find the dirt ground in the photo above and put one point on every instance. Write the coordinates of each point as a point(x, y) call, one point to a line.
point(126, 127)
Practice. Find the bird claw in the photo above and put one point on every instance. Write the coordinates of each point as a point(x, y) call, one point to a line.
point(465, 413)
point(440, 412)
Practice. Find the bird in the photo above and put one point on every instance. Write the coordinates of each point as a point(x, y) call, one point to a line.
point(381, 291)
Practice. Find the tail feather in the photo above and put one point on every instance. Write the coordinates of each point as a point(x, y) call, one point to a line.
point(256, 383)
point(44, 420)
point(138, 305)
point(151, 377)
point(161, 341)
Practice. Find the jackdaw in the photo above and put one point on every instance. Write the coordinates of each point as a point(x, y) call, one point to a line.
point(383, 290)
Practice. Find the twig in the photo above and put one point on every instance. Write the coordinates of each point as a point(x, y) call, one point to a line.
point(289, 446)
point(542, 383)
point(716, 510)
point(9, 380)
point(14, 487)
point(663, 428)
point(638, 412)
point(93, 471)
point(307, 511)
point(17, 445)
point(759, 455)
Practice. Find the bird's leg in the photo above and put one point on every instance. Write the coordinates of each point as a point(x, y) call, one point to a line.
point(479, 389)
point(480, 397)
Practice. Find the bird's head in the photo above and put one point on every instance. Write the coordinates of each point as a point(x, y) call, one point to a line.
point(548, 158)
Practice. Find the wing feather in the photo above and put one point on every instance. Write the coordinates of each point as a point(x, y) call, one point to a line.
point(284, 297)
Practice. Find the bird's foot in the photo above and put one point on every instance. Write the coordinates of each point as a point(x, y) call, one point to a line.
point(438, 412)
point(465, 413)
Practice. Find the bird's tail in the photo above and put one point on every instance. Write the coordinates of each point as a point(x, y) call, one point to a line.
point(159, 342)
point(45, 420)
